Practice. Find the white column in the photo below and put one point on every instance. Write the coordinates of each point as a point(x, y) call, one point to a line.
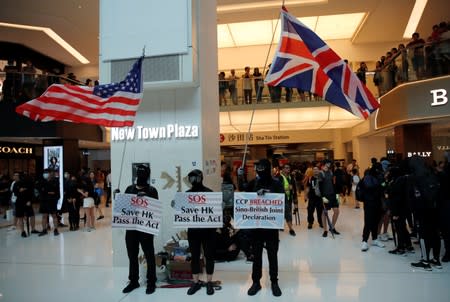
point(186, 108)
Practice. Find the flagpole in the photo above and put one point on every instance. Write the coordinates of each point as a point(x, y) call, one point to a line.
point(258, 95)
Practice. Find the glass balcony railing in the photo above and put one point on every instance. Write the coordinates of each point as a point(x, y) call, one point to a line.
point(418, 62)
point(245, 91)
point(20, 87)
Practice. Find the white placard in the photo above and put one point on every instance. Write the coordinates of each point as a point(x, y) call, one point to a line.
point(141, 213)
point(198, 210)
point(258, 212)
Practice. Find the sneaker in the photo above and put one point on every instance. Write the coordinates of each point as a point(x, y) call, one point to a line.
point(55, 232)
point(410, 249)
point(256, 287)
point(276, 291)
point(43, 233)
point(309, 226)
point(423, 265)
point(292, 232)
point(150, 289)
point(209, 289)
point(35, 232)
point(383, 237)
point(335, 232)
point(325, 234)
point(194, 288)
point(378, 243)
point(130, 287)
point(364, 246)
point(62, 225)
point(12, 228)
point(24, 235)
point(446, 258)
point(100, 217)
point(436, 263)
point(397, 251)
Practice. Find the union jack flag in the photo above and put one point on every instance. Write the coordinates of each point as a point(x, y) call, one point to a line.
point(306, 62)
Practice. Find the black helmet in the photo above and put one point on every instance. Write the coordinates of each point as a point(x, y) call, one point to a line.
point(195, 177)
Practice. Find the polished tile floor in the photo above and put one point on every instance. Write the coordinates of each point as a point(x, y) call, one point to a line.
point(77, 266)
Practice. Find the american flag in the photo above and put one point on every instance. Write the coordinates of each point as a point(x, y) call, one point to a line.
point(110, 105)
point(306, 62)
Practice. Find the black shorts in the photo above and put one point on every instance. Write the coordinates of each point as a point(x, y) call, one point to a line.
point(332, 202)
point(48, 207)
point(22, 210)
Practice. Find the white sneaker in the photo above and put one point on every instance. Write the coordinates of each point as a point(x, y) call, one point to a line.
point(378, 243)
point(383, 237)
point(364, 246)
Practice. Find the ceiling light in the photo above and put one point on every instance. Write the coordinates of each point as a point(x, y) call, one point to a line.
point(414, 19)
point(261, 32)
point(49, 32)
point(265, 4)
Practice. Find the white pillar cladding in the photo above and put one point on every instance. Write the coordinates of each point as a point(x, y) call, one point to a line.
point(182, 108)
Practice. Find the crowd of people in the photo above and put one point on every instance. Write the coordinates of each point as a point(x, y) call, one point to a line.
point(249, 88)
point(410, 196)
point(82, 193)
point(23, 83)
point(419, 59)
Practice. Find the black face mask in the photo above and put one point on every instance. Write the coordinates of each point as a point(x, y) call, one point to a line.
point(142, 173)
point(195, 178)
point(263, 169)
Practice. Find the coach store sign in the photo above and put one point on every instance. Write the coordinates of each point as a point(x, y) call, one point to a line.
point(170, 131)
point(13, 150)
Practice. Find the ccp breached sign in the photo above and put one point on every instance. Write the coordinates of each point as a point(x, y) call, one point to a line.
point(140, 213)
point(258, 212)
point(154, 133)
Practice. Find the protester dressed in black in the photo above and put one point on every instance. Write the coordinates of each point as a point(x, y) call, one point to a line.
point(199, 237)
point(133, 238)
point(268, 238)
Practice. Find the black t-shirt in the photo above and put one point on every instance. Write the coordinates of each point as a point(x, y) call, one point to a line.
point(145, 190)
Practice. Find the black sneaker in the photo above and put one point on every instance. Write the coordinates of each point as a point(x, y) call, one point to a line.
point(292, 232)
point(62, 225)
point(55, 232)
point(397, 251)
point(24, 235)
point(436, 263)
point(276, 291)
point(100, 217)
point(335, 232)
point(325, 234)
point(209, 289)
point(35, 232)
point(150, 289)
point(131, 286)
point(423, 265)
point(309, 226)
point(256, 287)
point(194, 288)
point(43, 233)
point(446, 258)
point(410, 249)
